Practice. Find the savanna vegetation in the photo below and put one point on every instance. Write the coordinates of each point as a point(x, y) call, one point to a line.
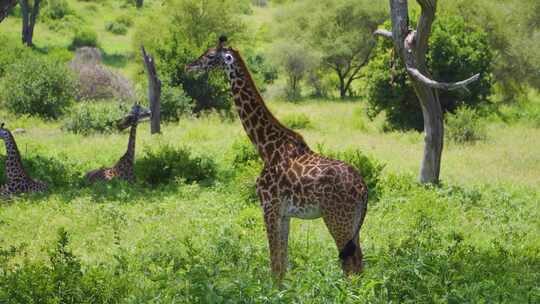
point(190, 229)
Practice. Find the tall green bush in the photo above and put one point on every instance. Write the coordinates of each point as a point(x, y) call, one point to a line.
point(457, 51)
point(84, 37)
point(37, 86)
point(91, 117)
point(187, 30)
point(464, 126)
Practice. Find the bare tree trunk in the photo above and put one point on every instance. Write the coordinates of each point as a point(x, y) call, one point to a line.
point(154, 92)
point(412, 47)
point(29, 20)
point(139, 3)
point(5, 6)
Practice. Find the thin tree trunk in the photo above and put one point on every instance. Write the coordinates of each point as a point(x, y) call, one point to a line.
point(25, 12)
point(412, 48)
point(139, 3)
point(33, 17)
point(154, 92)
point(342, 86)
point(29, 18)
point(5, 6)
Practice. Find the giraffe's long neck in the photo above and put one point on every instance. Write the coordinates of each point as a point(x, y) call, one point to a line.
point(129, 156)
point(262, 128)
point(14, 167)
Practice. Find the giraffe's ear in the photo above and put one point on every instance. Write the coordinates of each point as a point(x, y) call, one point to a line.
point(222, 42)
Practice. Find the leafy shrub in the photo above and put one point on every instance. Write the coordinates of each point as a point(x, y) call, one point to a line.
point(116, 28)
point(57, 9)
point(370, 168)
point(126, 20)
point(12, 50)
point(37, 86)
point(174, 103)
point(62, 279)
point(457, 51)
point(88, 117)
point(246, 165)
point(464, 126)
point(84, 37)
point(167, 164)
point(297, 121)
point(359, 119)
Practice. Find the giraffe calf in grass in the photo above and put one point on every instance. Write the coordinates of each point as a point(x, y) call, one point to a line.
point(123, 169)
point(18, 181)
point(295, 181)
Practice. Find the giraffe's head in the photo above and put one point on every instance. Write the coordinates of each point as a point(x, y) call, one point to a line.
point(137, 114)
point(4, 133)
point(218, 57)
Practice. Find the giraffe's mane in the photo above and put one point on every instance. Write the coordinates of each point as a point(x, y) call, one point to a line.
point(241, 63)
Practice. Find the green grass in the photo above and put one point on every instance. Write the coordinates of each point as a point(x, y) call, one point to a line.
point(475, 238)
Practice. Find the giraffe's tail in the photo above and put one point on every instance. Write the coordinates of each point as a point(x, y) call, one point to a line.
point(350, 247)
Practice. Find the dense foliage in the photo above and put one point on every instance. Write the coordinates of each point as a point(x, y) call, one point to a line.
point(37, 86)
point(335, 35)
point(464, 126)
point(89, 117)
point(189, 29)
point(168, 164)
point(457, 51)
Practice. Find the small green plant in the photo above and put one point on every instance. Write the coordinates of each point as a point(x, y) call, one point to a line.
point(167, 164)
point(37, 86)
point(84, 37)
point(297, 121)
point(174, 103)
point(92, 117)
point(57, 9)
point(464, 126)
point(126, 20)
point(116, 28)
point(359, 119)
point(243, 152)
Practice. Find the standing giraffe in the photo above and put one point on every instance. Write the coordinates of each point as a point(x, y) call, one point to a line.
point(18, 181)
point(295, 181)
point(123, 169)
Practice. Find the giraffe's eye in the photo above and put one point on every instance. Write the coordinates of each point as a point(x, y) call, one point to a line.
point(228, 58)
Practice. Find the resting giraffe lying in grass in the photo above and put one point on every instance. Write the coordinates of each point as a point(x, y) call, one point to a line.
point(123, 169)
point(295, 182)
point(18, 181)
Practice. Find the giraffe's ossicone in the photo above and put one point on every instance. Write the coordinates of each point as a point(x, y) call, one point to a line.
point(295, 181)
point(123, 169)
point(18, 180)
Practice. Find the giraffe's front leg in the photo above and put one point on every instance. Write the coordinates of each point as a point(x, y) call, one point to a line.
point(273, 222)
point(285, 222)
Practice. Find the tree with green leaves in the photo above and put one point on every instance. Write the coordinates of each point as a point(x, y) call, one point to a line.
point(340, 31)
point(189, 26)
point(411, 46)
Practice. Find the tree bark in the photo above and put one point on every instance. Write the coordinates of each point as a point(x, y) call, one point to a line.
point(154, 92)
point(5, 6)
point(139, 3)
point(411, 46)
point(29, 18)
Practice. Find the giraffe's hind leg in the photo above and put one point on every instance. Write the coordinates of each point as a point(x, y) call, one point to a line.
point(342, 223)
